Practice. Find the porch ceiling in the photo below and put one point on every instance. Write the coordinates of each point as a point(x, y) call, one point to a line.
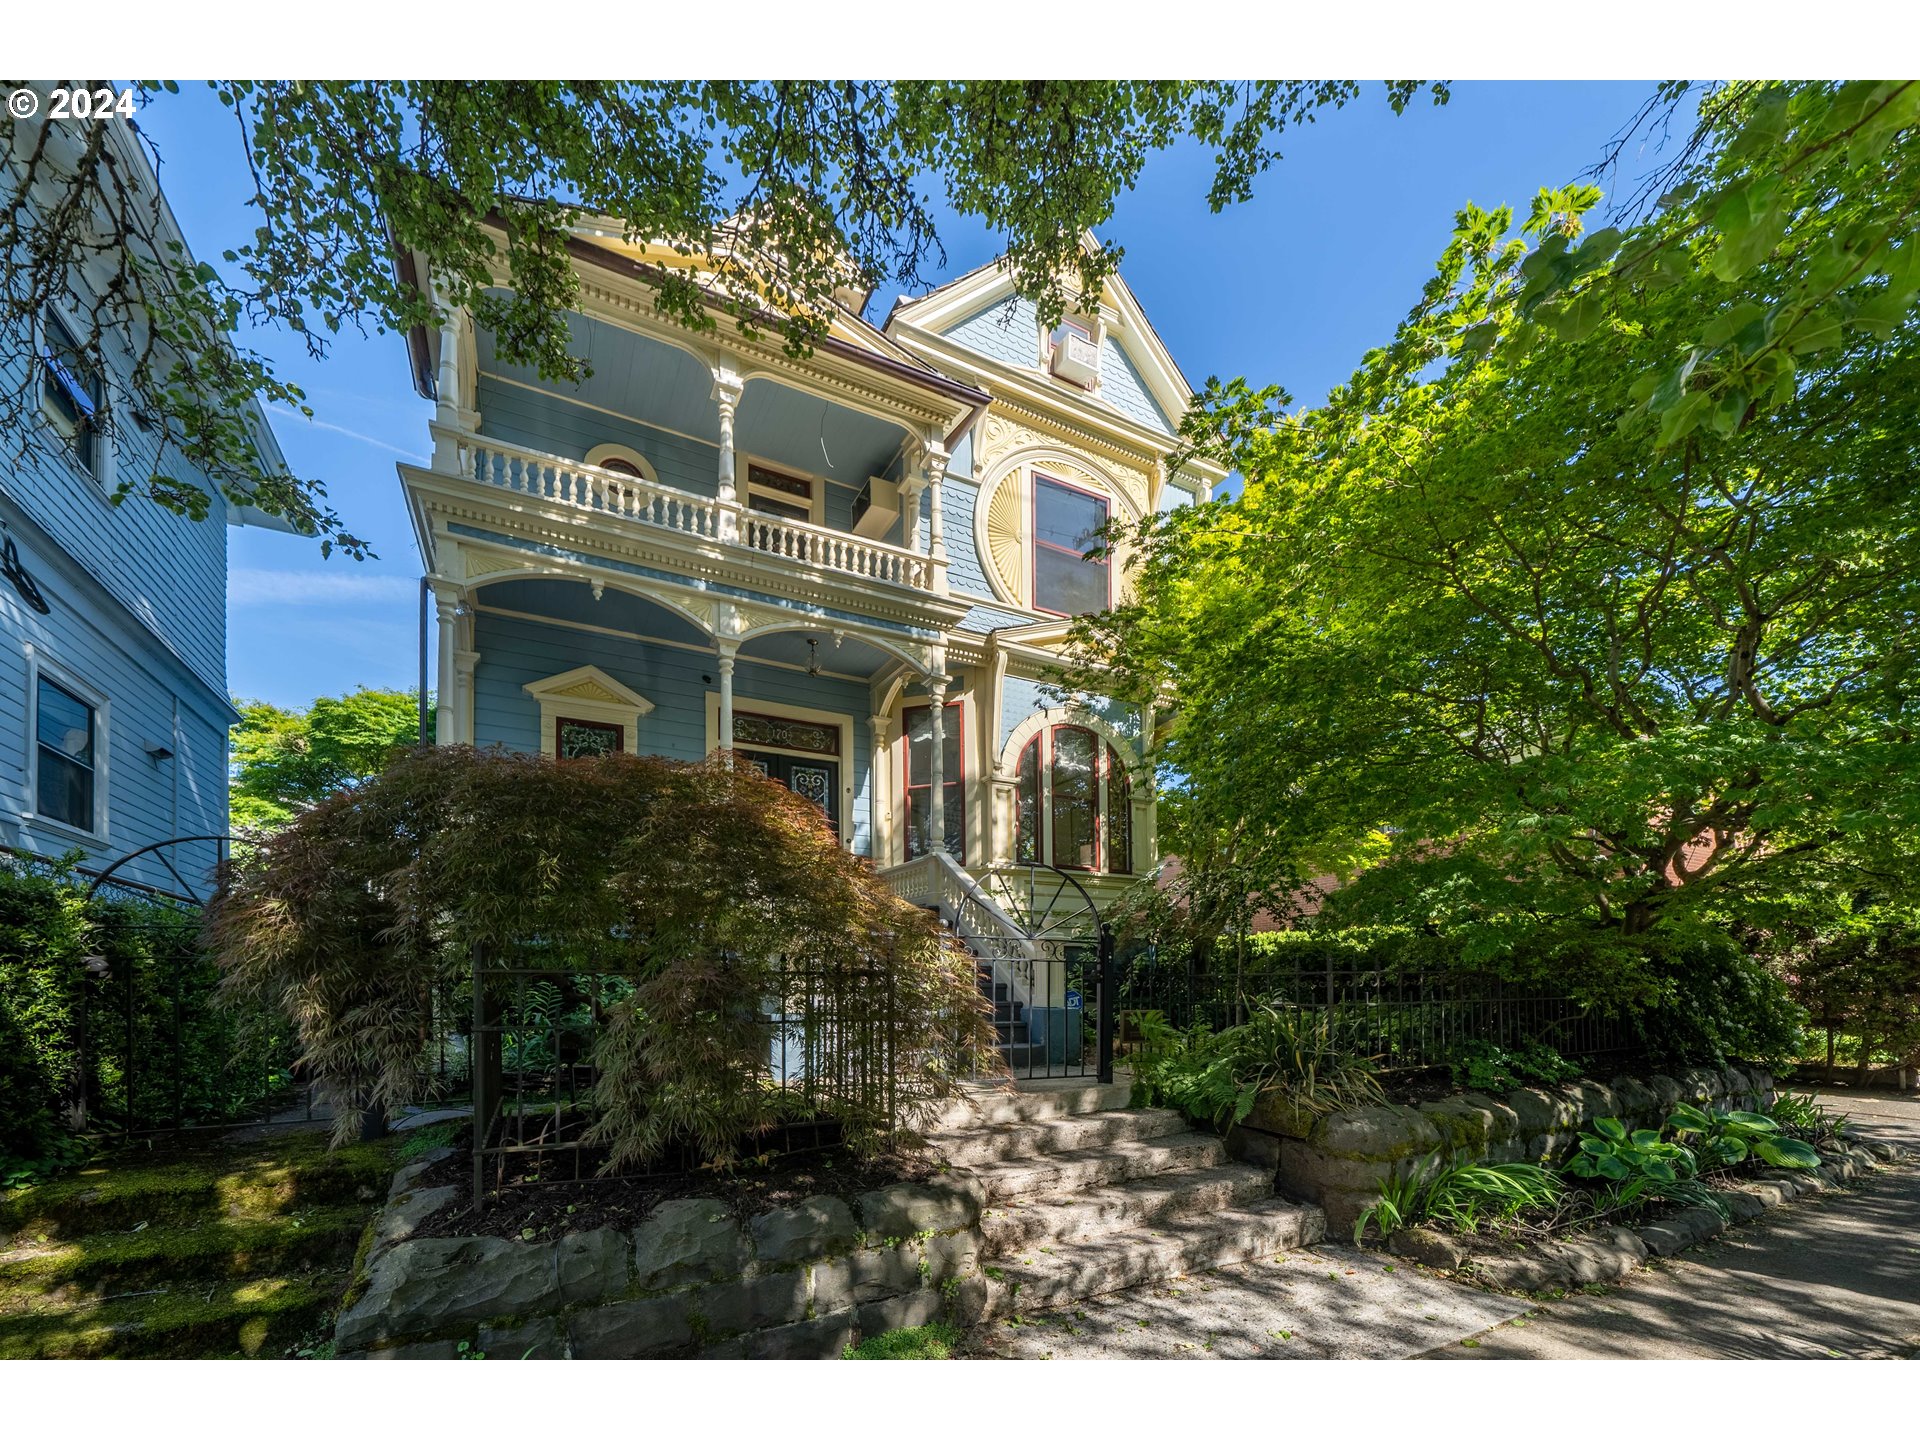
point(662, 385)
point(853, 656)
point(572, 601)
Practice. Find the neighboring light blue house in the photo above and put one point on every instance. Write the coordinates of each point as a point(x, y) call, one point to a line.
point(113, 622)
point(854, 569)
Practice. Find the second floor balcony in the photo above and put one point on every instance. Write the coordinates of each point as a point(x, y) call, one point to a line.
point(619, 496)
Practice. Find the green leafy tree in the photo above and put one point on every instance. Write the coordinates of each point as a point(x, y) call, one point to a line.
point(1590, 598)
point(285, 761)
point(790, 192)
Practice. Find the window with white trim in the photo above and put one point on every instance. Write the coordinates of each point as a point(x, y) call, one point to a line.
point(66, 736)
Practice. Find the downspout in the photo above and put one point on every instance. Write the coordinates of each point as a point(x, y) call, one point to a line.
point(973, 418)
point(423, 660)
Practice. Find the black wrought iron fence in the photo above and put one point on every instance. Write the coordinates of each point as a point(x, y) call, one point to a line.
point(158, 1049)
point(824, 1046)
point(1402, 1020)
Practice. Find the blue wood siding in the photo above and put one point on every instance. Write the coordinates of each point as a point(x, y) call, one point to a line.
point(516, 652)
point(543, 420)
point(1122, 387)
point(91, 642)
point(957, 501)
point(1007, 330)
point(168, 571)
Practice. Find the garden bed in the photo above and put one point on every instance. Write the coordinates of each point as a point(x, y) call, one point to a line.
point(1529, 1259)
point(525, 1207)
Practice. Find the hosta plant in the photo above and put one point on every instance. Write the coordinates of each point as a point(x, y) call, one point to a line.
point(1610, 1152)
point(1731, 1137)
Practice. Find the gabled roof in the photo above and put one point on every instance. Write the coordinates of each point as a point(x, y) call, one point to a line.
point(941, 309)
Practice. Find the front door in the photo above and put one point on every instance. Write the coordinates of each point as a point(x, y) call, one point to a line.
point(816, 779)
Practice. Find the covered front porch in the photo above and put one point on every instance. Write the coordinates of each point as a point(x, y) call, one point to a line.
point(569, 664)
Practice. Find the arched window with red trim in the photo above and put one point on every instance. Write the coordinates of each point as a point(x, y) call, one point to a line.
point(1072, 803)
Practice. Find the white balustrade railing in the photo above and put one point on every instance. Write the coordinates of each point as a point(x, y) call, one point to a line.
point(589, 487)
point(937, 882)
point(548, 477)
point(835, 550)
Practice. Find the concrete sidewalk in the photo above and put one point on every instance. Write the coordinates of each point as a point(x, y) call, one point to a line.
point(1832, 1275)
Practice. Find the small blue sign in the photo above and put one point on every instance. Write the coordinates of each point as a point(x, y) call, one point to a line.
point(1073, 999)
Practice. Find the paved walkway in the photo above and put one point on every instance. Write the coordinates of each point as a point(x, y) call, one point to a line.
point(1835, 1274)
point(1828, 1276)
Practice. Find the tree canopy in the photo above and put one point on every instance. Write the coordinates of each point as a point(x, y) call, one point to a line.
point(286, 761)
point(1592, 595)
point(789, 190)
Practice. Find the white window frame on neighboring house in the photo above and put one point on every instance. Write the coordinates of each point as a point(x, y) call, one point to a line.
point(587, 693)
point(100, 472)
point(37, 666)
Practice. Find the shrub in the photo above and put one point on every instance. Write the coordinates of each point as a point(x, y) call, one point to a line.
point(1483, 1065)
point(688, 882)
point(1295, 1055)
point(215, 1062)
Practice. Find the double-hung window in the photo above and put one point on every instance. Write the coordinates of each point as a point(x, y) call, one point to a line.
point(65, 734)
point(1067, 522)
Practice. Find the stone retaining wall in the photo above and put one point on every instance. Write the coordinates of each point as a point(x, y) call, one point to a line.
point(691, 1280)
point(1338, 1160)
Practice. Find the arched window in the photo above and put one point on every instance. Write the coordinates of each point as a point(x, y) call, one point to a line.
point(622, 460)
point(1072, 803)
point(1026, 804)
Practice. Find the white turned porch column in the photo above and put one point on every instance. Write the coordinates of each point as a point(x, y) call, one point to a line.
point(726, 649)
point(879, 786)
point(910, 491)
point(446, 609)
point(727, 389)
point(936, 765)
point(936, 473)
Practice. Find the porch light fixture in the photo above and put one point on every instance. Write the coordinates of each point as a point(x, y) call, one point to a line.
point(813, 655)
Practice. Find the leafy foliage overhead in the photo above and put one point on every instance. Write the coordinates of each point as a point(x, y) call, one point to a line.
point(791, 191)
point(1591, 596)
point(287, 760)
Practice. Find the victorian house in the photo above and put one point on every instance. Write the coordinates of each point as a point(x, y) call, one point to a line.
point(855, 568)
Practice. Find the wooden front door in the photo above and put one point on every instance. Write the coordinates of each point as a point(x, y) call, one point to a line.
point(810, 776)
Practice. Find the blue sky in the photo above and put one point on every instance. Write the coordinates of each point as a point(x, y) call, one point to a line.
point(1291, 287)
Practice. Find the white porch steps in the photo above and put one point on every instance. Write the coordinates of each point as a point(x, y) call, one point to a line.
point(1084, 1196)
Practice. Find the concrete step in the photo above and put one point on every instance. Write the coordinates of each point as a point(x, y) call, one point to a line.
point(1080, 1170)
point(1039, 1100)
point(1051, 1220)
point(1047, 1279)
point(983, 1145)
